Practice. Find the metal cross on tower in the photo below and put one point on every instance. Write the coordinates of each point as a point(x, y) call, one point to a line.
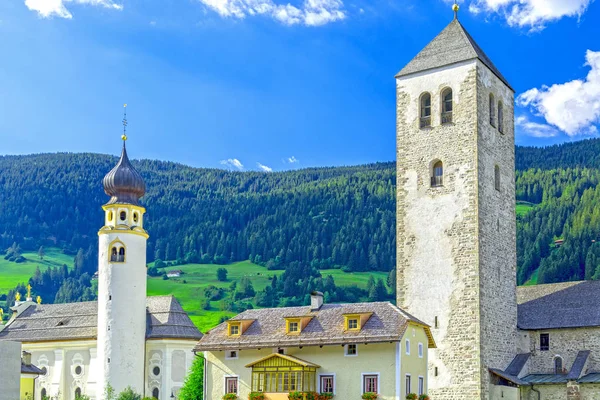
point(124, 137)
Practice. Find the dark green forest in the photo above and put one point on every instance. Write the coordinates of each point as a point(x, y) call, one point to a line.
point(341, 217)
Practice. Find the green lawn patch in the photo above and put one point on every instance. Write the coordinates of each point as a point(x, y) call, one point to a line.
point(11, 273)
point(523, 207)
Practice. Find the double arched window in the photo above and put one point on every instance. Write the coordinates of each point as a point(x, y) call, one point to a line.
point(437, 174)
point(425, 110)
point(446, 116)
point(117, 252)
point(492, 113)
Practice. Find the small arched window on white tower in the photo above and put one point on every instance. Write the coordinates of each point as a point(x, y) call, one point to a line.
point(447, 106)
point(123, 216)
point(492, 113)
point(437, 174)
point(500, 117)
point(425, 110)
point(136, 217)
point(117, 252)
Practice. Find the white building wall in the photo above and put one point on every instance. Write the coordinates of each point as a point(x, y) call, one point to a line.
point(121, 313)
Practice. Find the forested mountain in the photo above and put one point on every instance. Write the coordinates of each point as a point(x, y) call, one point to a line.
point(325, 217)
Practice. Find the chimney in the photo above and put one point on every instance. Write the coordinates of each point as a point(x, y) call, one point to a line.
point(26, 357)
point(316, 301)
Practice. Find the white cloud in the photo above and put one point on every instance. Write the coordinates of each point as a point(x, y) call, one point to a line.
point(292, 160)
point(573, 107)
point(535, 129)
point(49, 8)
point(531, 13)
point(233, 163)
point(264, 167)
point(311, 13)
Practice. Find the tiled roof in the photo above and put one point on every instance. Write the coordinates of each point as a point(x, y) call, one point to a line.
point(78, 321)
point(453, 45)
point(387, 323)
point(559, 305)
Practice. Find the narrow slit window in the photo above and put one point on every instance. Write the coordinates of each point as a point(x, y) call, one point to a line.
point(437, 178)
point(497, 177)
point(425, 110)
point(123, 216)
point(558, 365)
point(447, 106)
point(500, 117)
point(492, 113)
point(113, 254)
point(135, 217)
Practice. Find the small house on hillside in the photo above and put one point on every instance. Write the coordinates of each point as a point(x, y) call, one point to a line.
point(343, 349)
point(176, 273)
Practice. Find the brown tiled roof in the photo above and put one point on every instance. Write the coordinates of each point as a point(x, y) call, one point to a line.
point(387, 323)
point(78, 321)
point(559, 305)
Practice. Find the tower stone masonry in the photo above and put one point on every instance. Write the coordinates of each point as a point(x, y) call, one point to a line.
point(122, 282)
point(456, 228)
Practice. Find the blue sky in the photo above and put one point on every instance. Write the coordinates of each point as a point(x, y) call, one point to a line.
point(280, 84)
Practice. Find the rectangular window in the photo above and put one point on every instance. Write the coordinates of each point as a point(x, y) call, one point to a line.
point(544, 341)
point(234, 330)
point(327, 384)
point(407, 346)
point(420, 350)
point(231, 385)
point(370, 383)
point(408, 384)
point(351, 350)
point(293, 327)
point(231, 355)
point(352, 324)
point(421, 385)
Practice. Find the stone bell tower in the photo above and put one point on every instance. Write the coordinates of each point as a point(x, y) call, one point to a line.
point(456, 229)
point(122, 281)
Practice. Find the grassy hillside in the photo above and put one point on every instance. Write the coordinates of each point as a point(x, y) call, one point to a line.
point(189, 288)
point(11, 273)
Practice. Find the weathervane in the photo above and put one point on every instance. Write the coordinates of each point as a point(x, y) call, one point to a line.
point(124, 137)
point(455, 8)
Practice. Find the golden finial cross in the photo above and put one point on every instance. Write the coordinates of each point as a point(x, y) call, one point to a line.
point(124, 137)
point(18, 296)
point(39, 300)
point(28, 291)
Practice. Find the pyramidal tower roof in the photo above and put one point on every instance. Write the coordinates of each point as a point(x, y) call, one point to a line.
point(453, 45)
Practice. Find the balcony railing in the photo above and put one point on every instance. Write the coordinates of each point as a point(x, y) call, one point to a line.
point(425, 122)
point(447, 117)
point(437, 181)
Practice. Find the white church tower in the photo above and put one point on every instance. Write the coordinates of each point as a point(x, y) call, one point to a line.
point(456, 229)
point(122, 281)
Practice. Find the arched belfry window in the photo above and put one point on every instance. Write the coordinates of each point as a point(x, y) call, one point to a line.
point(117, 252)
point(123, 216)
point(558, 365)
point(425, 110)
point(447, 106)
point(77, 393)
point(155, 393)
point(500, 117)
point(492, 113)
point(437, 176)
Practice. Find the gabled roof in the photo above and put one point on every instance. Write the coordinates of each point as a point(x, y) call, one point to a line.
point(31, 370)
point(326, 327)
point(453, 45)
point(291, 359)
point(559, 305)
point(78, 321)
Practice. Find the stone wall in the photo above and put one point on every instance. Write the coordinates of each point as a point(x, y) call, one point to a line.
point(497, 224)
point(10, 370)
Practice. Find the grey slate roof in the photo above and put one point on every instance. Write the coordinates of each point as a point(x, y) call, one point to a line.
point(517, 364)
point(593, 377)
point(31, 369)
point(511, 378)
point(578, 364)
point(78, 321)
point(536, 379)
point(453, 45)
point(387, 323)
point(559, 305)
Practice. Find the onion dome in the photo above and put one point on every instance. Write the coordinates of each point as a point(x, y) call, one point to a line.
point(123, 183)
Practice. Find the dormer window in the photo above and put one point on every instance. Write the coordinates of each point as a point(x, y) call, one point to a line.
point(295, 325)
point(355, 322)
point(234, 330)
point(238, 327)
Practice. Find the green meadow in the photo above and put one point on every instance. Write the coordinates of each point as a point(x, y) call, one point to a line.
point(11, 273)
point(523, 207)
point(189, 288)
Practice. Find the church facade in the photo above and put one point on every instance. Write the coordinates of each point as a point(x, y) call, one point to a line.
point(456, 240)
point(124, 339)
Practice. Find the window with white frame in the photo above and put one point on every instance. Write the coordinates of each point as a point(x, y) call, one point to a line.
point(370, 384)
point(421, 385)
point(407, 346)
point(407, 384)
point(351, 350)
point(420, 350)
point(327, 383)
point(231, 355)
point(231, 384)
